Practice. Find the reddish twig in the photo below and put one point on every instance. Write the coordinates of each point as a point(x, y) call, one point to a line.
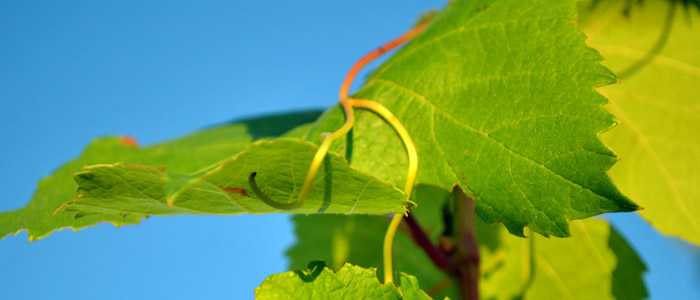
point(439, 258)
point(462, 263)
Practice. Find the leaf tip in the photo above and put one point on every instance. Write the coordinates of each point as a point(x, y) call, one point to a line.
point(129, 141)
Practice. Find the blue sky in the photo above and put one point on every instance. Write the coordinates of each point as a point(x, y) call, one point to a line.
point(74, 70)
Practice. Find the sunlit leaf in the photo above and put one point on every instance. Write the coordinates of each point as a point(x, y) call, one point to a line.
point(499, 98)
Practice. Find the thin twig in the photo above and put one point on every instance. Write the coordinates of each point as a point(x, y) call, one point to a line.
point(439, 258)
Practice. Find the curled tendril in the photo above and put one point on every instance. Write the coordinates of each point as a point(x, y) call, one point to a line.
point(410, 177)
point(265, 198)
point(328, 138)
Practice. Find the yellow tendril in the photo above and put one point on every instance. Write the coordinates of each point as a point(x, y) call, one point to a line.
point(403, 133)
point(410, 176)
point(313, 168)
point(388, 246)
point(348, 104)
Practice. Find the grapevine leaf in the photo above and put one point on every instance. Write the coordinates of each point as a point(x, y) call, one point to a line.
point(499, 98)
point(280, 166)
point(184, 155)
point(658, 106)
point(349, 282)
point(598, 263)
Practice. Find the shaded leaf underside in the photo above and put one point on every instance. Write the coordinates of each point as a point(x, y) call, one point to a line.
point(281, 166)
point(359, 239)
point(185, 155)
point(598, 263)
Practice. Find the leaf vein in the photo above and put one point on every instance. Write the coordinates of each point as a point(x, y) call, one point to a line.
point(489, 138)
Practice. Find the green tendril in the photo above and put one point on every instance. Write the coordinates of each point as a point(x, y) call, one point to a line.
point(268, 200)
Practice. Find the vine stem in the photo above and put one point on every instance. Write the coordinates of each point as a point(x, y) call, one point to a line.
point(463, 262)
point(468, 247)
point(439, 257)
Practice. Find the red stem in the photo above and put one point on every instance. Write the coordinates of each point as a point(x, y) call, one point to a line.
point(439, 258)
point(464, 263)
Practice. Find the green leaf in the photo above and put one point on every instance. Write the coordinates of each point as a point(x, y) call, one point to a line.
point(350, 282)
point(280, 165)
point(598, 263)
point(499, 98)
point(658, 107)
point(184, 155)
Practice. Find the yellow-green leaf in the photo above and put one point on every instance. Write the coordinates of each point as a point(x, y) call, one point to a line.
point(655, 51)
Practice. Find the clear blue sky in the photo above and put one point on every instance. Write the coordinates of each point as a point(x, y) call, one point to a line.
point(74, 70)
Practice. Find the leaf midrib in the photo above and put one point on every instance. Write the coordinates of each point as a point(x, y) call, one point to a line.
point(485, 135)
